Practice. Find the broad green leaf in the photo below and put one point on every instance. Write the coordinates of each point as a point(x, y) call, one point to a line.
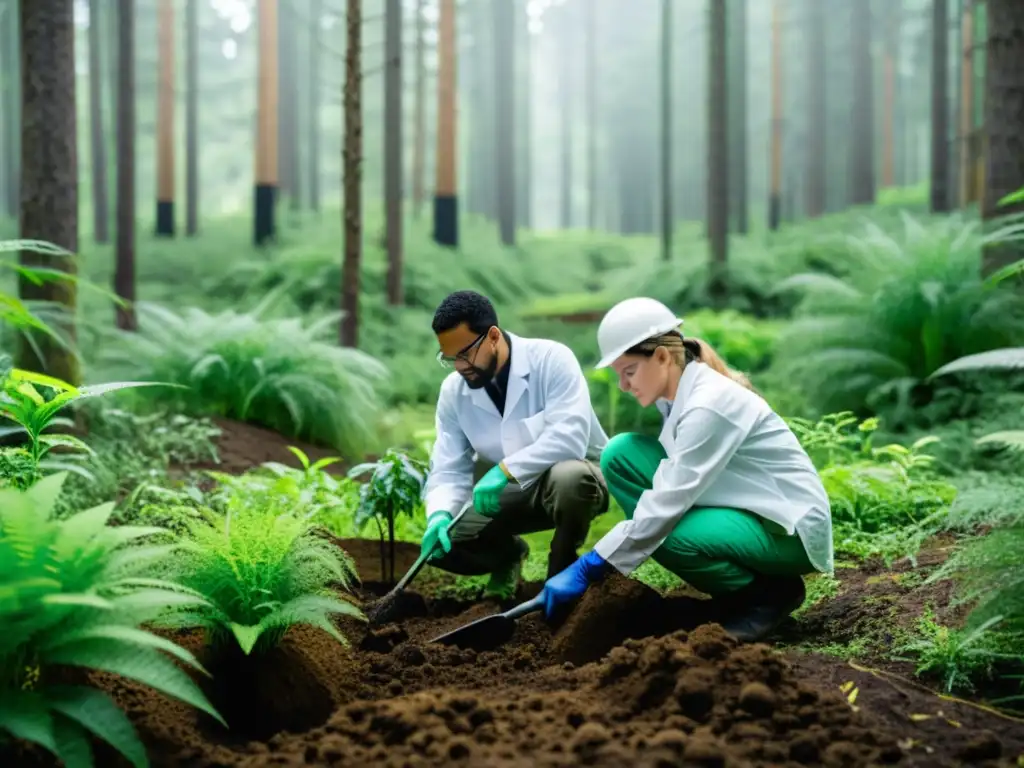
point(41, 379)
point(125, 634)
point(73, 742)
point(95, 712)
point(66, 441)
point(246, 636)
point(24, 715)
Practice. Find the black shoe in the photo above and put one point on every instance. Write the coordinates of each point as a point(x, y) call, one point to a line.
point(756, 611)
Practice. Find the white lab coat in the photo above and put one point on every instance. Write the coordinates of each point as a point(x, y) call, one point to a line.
point(725, 447)
point(548, 418)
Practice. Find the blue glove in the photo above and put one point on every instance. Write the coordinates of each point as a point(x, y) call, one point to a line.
point(487, 492)
point(571, 583)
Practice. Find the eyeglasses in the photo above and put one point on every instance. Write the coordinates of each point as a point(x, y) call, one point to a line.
point(448, 361)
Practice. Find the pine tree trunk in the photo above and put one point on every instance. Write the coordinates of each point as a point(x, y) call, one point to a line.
point(165, 122)
point(446, 201)
point(97, 139)
point(718, 149)
point(124, 269)
point(862, 145)
point(393, 145)
point(940, 181)
point(817, 111)
point(192, 118)
point(266, 181)
point(504, 25)
point(49, 174)
point(419, 141)
point(352, 163)
point(1004, 121)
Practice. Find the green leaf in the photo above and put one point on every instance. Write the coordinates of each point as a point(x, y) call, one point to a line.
point(142, 664)
point(246, 635)
point(43, 494)
point(66, 441)
point(125, 634)
point(24, 715)
point(19, 374)
point(95, 712)
point(73, 742)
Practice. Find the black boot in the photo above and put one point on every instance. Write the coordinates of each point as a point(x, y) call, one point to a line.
point(752, 613)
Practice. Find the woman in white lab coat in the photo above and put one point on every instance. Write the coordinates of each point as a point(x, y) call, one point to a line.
point(726, 497)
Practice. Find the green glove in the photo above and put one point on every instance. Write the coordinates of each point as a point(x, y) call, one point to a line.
point(435, 538)
point(487, 492)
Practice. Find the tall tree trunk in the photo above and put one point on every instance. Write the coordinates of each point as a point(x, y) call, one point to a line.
point(777, 128)
point(352, 182)
point(504, 21)
point(264, 224)
point(889, 69)
point(10, 63)
point(316, 12)
point(738, 121)
point(293, 146)
point(49, 175)
point(939, 191)
point(817, 111)
point(718, 149)
point(124, 269)
point(419, 141)
point(285, 115)
point(191, 118)
point(566, 87)
point(446, 201)
point(524, 79)
point(667, 215)
point(100, 200)
point(590, 11)
point(393, 146)
point(165, 122)
point(966, 142)
point(1004, 122)
point(862, 150)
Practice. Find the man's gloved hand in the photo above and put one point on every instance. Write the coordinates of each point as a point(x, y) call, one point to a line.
point(487, 492)
point(435, 538)
point(570, 584)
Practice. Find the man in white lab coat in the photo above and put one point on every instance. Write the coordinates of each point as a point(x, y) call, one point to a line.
point(523, 407)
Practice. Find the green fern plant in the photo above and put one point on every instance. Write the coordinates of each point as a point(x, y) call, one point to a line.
point(284, 374)
point(259, 575)
point(901, 307)
point(76, 593)
point(1011, 358)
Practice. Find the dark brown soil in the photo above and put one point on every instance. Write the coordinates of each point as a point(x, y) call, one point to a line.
point(684, 698)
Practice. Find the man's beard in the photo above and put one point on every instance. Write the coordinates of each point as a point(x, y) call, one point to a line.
point(483, 376)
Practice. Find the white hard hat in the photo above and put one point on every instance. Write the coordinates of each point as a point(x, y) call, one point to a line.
point(631, 321)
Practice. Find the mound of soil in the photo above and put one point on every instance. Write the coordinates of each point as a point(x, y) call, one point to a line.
point(686, 698)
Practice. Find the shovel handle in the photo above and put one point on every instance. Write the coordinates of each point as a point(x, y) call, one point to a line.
point(529, 606)
point(424, 556)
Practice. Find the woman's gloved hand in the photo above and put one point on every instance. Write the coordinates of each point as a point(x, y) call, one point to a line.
point(571, 583)
point(487, 492)
point(435, 539)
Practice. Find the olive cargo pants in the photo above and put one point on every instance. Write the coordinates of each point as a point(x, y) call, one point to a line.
point(567, 497)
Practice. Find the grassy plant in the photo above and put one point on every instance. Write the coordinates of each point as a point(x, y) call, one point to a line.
point(958, 657)
point(282, 374)
point(393, 489)
point(75, 594)
point(260, 574)
point(33, 413)
point(900, 307)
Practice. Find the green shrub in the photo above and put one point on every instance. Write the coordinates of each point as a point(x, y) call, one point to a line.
point(75, 594)
point(900, 307)
point(260, 573)
point(280, 373)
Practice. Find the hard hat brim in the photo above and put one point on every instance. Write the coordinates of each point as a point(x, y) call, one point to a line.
point(611, 357)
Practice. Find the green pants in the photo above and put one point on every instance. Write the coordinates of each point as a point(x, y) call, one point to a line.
point(715, 550)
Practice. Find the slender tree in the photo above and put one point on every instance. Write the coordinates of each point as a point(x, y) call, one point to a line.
point(419, 140)
point(778, 128)
point(504, 21)
point(124, 268)
point(316, 12)
point(192, 117)
point(565, 93)
point(49, 176)
point(10, 108)
point(817, 110)
point(165, 122)
point(352, 183)
point(862, 144)
point(264, 224)
point(939, 192)
point(393, 146)
point(718, 148)
point(1004, 122)
point(966, 175)
point(667, 216)
point(446, 201)
point(592, 74)
point(97, 139)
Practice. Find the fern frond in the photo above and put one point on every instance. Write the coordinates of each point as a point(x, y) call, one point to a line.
point(1010, 358)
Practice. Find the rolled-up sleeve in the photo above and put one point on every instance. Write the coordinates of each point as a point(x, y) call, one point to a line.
point(705, 443)
point(567, 417)
point(450, 478)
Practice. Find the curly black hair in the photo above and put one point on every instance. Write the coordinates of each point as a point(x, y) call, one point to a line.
point(469, 307)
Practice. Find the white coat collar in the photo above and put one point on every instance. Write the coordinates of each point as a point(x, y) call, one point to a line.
point(673, 410)
point(518, 378)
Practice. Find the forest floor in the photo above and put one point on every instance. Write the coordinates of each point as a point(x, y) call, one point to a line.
point(631, 678)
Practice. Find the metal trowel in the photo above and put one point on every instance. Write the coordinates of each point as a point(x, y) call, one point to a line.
point(491, 631)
